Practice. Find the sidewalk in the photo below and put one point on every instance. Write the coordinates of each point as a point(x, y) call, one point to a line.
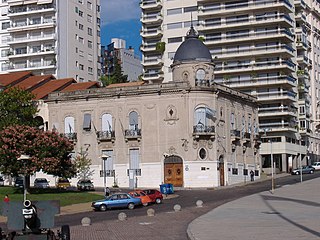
point(292, 212)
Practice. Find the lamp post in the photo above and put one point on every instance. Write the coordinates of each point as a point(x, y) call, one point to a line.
point(272, 168)
point(104, 158)
point(23, 158)
point(300, 160)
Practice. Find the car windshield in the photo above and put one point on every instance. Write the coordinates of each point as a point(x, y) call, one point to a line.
point(63, 181)
point(41, 180)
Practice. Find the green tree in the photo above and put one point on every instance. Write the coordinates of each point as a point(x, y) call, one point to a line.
point(48, 151)
point(83, 164)
point(117, 75)
point(17, 108)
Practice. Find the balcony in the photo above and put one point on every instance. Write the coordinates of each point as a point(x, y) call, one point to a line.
point(152, 33)
point(277, 111)
point(148, 62)
point(106, 136)
point(25, 25)
point(148, 47)
point(201, 130)
point(71, 136)
point(153, 76)
point(150, 5)
point(31, 9)
point(276, 96)
point(153, 19)
point(131, 134)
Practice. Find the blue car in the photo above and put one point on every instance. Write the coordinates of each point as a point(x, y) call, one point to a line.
point(117, 200)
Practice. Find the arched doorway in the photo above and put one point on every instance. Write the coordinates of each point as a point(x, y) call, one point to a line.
point(221, 170)
point(173, 171)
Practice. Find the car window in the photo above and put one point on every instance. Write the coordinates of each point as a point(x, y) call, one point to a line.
point(114, 197)
point(142, 194)
point(123, 196)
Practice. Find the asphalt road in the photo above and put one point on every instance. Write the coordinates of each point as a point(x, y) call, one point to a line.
point(187, 200)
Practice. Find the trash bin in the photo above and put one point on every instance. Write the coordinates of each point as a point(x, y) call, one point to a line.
point(166, 188)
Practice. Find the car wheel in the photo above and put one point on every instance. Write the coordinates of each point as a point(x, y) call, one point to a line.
point(145, 204)
point(131, 206)
point(158, 200)
point(311, 172)
point(103, 208)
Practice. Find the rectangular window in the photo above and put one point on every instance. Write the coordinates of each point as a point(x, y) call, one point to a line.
point(87, 122)
point(90, 45)
point(174, 25)
point(108, 163)
point(175, 40)
point(80, 26)
point(135, 161)
point(174, 11)
point(80, 13)
point(5, 25)
point(89, 31)
point(89, 18)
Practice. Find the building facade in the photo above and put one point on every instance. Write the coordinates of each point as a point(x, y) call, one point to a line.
point(130, 62)
point(267, 49)
point(51, 37)
point(190, 132)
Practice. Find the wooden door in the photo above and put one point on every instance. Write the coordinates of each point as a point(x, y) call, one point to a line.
point(221, 170)
point(173, 173)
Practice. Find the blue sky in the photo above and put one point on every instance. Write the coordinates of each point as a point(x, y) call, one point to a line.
point(121, 19)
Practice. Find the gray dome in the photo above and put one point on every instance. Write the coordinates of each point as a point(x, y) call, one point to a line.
point(192, 49)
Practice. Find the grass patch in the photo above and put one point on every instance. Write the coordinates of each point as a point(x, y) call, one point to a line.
point(65, 197)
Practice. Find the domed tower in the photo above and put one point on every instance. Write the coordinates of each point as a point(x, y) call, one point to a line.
point(193, 62)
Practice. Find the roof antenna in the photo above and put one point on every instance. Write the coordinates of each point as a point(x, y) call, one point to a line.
point(192, 33)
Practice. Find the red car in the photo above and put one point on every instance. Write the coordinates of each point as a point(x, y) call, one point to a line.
point(155, 195)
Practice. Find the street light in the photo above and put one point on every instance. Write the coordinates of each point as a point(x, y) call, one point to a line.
point(271, 158)
point(104, 158)
point(23, 158)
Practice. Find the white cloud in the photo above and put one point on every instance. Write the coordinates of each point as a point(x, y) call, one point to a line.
point(113, 11)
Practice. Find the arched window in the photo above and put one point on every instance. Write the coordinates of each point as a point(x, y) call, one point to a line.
point(232, 121)
point(106, 122)
point(133, 120)
point(69, 125)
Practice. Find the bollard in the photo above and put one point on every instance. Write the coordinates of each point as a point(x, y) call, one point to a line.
point(85, 221)
point(177, 208)
point(150, 212)
point(122, 216)
point(199, 203)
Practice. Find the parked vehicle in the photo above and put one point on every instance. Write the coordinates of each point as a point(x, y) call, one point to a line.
point(18, 182)
point(117, 200)
point(145, 200)
point(41, 183)
point(155, 195)
point(85, 185)
point(305, 170)
point(63, 183)
point(1, 181)
point(316, 165)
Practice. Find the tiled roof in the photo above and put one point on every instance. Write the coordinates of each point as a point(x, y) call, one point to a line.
point(128, 84)
point(81, 86)
point(34, 81)
point(8, 79)
point(52, 86)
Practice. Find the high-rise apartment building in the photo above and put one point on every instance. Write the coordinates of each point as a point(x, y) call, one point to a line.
point(56, 37)
point(266, 48)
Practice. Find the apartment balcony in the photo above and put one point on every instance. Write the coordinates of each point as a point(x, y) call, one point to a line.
point(154, 19)
point(278, 126)
point(150, 5)
point(152, 33)
point(300, 4)
point(30, 39)
point(27, 26)
point(254, 81)
point(284, 49)
point(244, 7)
point(276, 96)
point(283, 20)
point(276, 65)
point(32, 53)
point(71, 136)
point(152, 62)
point(283, 35)
point(30, 9)
point(305, 131)
point(31, 66)
point(106, 136)
point(202, 131)
point(130, 134)
point(277, 111)
point(148, 47)
point(302, 45)
point(300, 17)
point(153, 76)
point(302, 60)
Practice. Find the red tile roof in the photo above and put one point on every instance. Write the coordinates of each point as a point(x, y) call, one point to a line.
point(52, 86)
point(81, 86)
point(128, 84)
point(10, 79)
point(34, 81)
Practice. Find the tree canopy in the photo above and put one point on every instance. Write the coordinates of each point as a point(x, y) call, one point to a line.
point(117, 75)
point(17, 108)
point(48, 151)
point(83, 164)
